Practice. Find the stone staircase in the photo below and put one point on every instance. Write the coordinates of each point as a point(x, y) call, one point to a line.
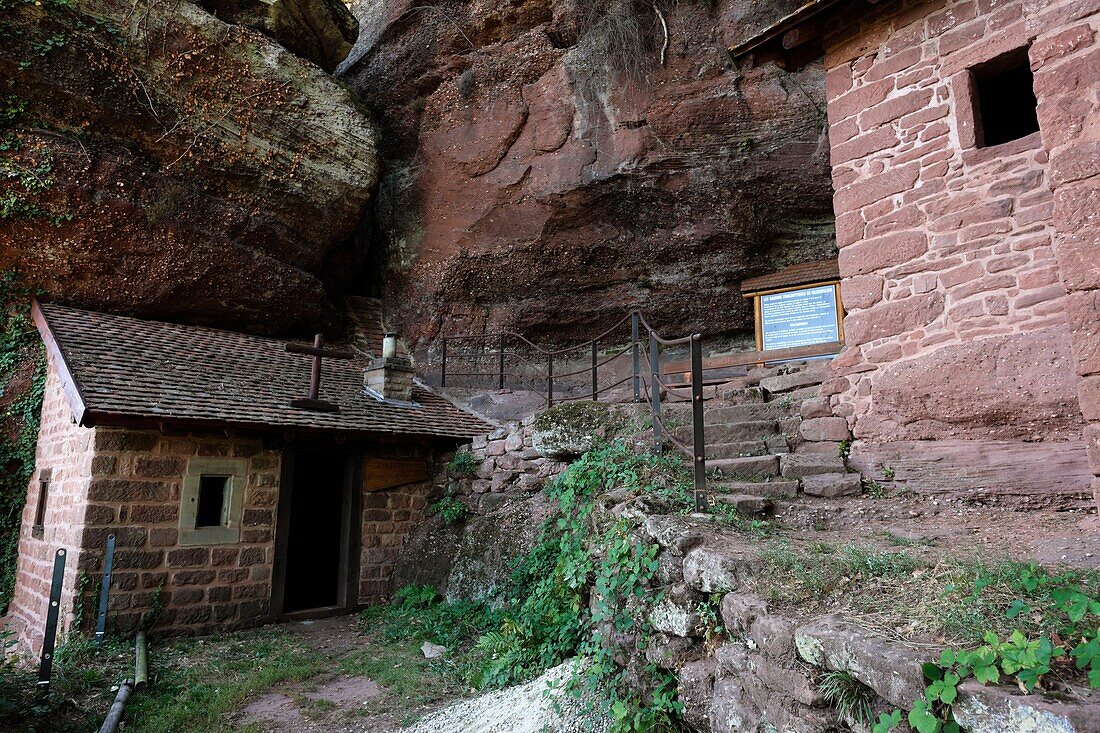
point(758, 448)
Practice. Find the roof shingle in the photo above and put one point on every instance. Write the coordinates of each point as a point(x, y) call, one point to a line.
point(128, 369)
point(802, 273)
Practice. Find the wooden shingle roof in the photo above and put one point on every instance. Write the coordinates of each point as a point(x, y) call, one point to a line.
point(803, 273)
point(118, 370)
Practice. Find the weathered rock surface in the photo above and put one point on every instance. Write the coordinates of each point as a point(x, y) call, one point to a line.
point(832, 485)
point(1002, 709)
point(200, 171)
point(489, 546)
point(997, 388)
point(534, 184)
point(571, 429)
point(322, 31)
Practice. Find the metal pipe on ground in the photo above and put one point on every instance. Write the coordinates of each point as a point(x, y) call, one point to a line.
point(141, 669)
point(118, 707)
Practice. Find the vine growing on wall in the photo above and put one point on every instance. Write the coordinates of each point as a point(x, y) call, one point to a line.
point(22, 380)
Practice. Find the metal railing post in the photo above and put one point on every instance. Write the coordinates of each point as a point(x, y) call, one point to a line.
point(500, 361)
point(105, 590)
point(655, 390)
point(636, 356)
point(595, 388)
point(45, 666)
point(699, 447)
point(443, 369)
point(549, 380)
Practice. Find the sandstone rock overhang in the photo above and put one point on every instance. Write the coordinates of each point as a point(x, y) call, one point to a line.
point(124, 371)
point(795, 38)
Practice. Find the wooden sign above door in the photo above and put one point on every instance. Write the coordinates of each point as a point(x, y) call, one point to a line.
point(386, 473)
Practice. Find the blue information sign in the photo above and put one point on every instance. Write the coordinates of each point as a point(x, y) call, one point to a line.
point(799, 318)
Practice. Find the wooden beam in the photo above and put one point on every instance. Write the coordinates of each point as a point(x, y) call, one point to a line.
point(386, 473)
point(70, 385)
point(801, 35)
point(748, 358)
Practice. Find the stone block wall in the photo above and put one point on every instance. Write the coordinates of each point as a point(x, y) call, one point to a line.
point(64, 458)
point(1066, 62)
point(507, 463)
point(135, 494)
point(128, 483)
point(958, 322)
point(389, 517)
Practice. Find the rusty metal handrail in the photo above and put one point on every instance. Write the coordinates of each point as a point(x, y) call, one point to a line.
point(648, 375)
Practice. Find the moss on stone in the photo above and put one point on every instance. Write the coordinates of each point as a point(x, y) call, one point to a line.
point(579, 416)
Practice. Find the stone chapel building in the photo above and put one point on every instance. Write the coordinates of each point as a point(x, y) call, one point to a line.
point(965, 146)
point(229, 505)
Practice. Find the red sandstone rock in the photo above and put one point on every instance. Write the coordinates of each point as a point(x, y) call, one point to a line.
point(203, 173)
point(527, 189)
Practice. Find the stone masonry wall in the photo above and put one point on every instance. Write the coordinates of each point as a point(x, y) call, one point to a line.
point(958, 322)
point(507, 462)
point(65, 454)
point(134, 493)
point(389, 517)
point(1066, 62)
point(128, 483)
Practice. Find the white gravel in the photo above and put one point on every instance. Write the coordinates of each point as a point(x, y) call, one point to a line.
point(527, 708)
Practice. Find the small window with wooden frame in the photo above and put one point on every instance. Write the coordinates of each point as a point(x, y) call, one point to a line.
point(38, 529)
point(212, 501)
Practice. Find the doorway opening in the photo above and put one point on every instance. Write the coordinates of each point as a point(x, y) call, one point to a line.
point(317, 535)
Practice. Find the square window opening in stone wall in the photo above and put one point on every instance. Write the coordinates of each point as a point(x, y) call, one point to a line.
point(212, 501)
point(1004, 99)
point(212, 509)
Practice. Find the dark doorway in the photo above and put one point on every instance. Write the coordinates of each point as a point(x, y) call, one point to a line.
point(317, 537)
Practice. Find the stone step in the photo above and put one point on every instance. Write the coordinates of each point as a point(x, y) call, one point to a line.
point(748, 467)
point(797, 465)
point(832, 485)
point(738, 395)
point(771, 489)
point(729, 433)
point(748, 412)
point(737, 449)
point(772, 445)
point(750, 505)
point(811, 375)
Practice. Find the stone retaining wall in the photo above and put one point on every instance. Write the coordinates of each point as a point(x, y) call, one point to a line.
point(506, 463)
point(762, 673)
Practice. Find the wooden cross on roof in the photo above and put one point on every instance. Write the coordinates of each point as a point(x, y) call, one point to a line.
point(317, 351)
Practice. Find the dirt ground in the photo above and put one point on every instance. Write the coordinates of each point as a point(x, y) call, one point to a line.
point(987, 532)
point(337, 703)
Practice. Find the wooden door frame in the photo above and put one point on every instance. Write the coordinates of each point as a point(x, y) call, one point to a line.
point(351, 526)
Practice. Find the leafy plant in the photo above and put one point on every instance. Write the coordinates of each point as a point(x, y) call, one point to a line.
point(845, 448)
point(582, 591)
point(847, 695)
point(450, 509)
point(463, 465)
point(20, 353)
point(887, 722)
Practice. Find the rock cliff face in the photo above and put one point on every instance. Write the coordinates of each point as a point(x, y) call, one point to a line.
point(170, 165)
point(550, 163)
